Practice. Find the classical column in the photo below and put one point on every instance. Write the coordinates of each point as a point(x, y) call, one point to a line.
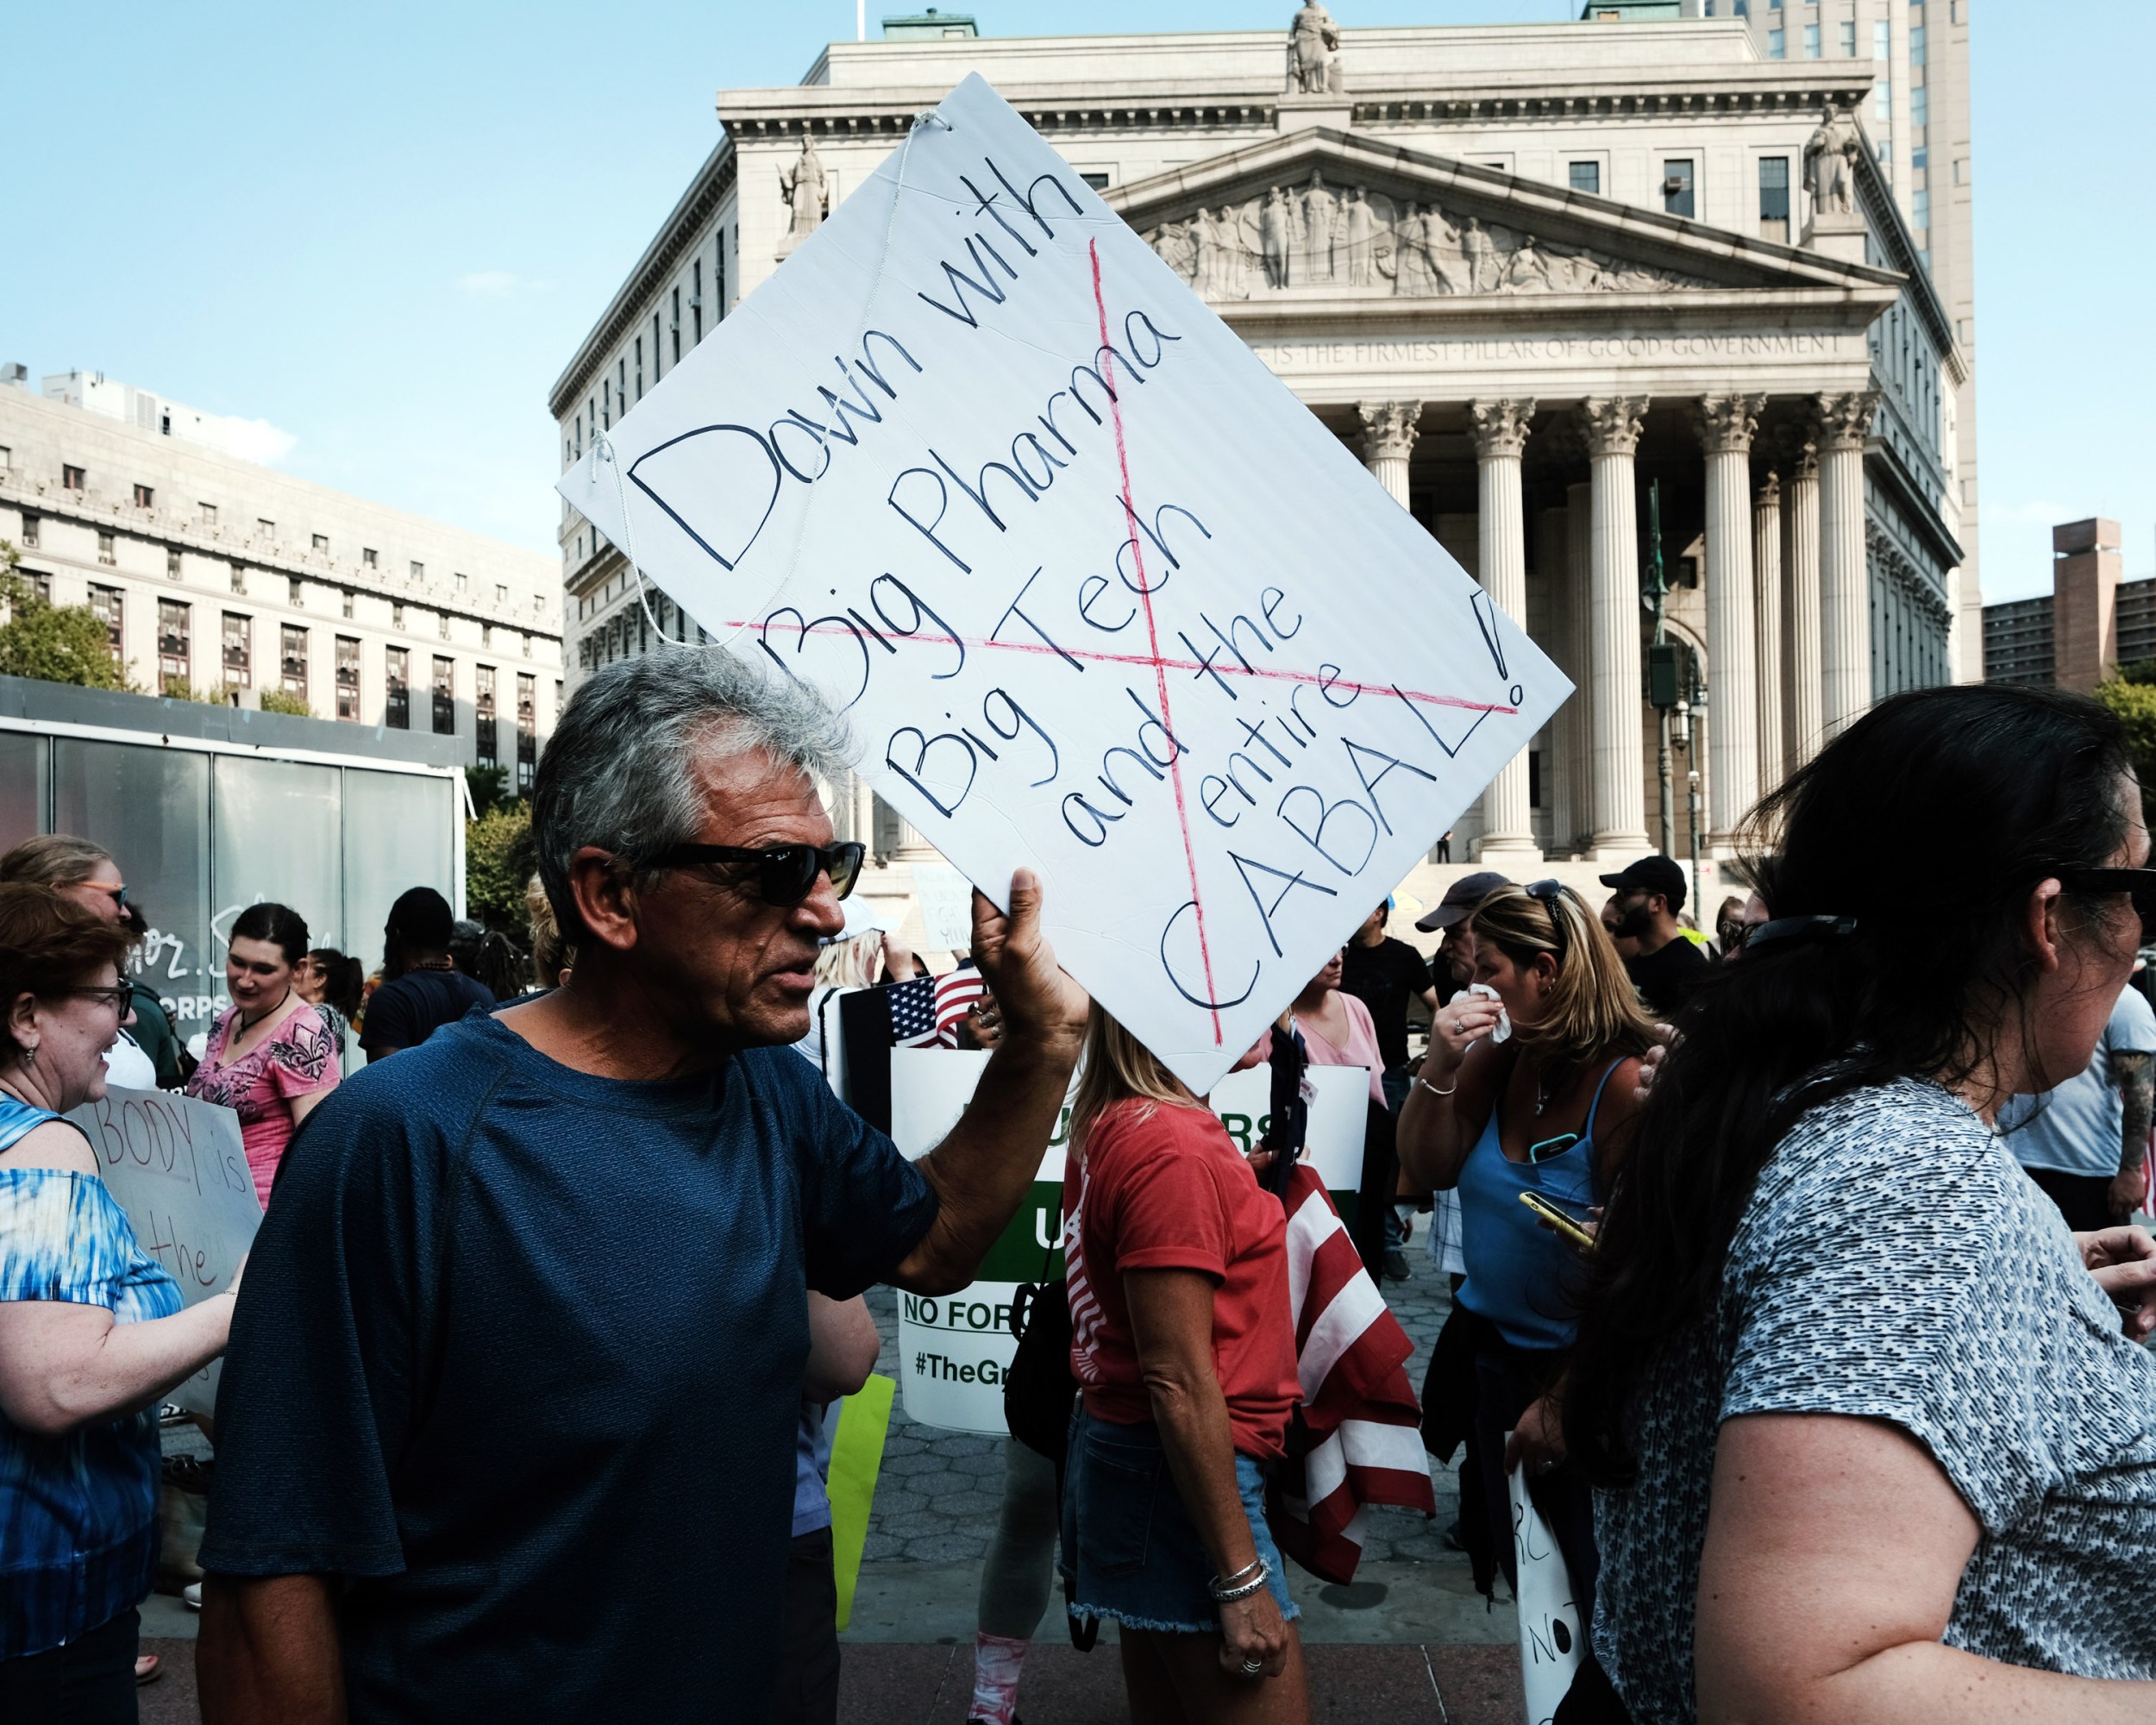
point(1500, 429)
point(1619, 795)
point(1800, 572)
point(1766, 576)
point(1388, 438)
point(1845, 586)
point(1579, 597)
point(1562, 762)
point(1725, 425)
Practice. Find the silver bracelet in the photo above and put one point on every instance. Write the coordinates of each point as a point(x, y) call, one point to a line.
point(1432, 1089)
point(1228, 1595)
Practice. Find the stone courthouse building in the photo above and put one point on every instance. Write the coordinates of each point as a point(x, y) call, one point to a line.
point(1552, 282)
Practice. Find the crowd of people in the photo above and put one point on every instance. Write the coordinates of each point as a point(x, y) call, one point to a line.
point(1790, 1262)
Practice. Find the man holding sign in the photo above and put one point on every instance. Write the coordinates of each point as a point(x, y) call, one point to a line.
point(510, 1416)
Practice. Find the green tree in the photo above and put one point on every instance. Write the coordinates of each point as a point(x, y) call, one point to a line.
point(54, 643)
point(2134, 700)
point(488, 783)
point(498, 858)
point(279, 701)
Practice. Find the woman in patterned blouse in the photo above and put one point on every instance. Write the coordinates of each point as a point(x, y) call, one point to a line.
point(271, 1057)
point(91, 1333)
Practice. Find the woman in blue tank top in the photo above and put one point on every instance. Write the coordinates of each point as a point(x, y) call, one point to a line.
point(1545, 1108)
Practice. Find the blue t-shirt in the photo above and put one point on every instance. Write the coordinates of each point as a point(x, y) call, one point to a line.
point(811, 1469)
point(77, 1513)
point(518, 1357)
point(2076, 1127)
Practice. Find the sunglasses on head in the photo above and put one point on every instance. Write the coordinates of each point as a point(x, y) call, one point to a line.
point(2139, 883)
point(1550, 892)
point(780, 875)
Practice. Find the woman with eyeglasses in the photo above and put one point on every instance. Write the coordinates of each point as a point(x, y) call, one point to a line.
point(271, 1057)
point(1529, 1094)
point(1872, 1443)
point(92, 1333)
point(145, 1056)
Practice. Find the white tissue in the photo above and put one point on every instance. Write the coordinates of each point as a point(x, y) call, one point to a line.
point(1503, 1029)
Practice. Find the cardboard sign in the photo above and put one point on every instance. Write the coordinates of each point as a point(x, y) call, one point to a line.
point(180, 1170)
point(1551, 1643)
point(1100, 595)
point(954, 1349)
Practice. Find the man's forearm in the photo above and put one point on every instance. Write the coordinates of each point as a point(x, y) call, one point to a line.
point(268, 1653)
point(2136, 1080)
point(984, 1168)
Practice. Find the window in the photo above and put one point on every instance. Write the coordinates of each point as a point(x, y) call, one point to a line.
point(607, 403)
point(441, 625)
point(483, 712)
point(621, 380)
point(239, 579)
point(1848, 34)
point(1677, 187)
point(70, 478)
point(675, 331)
point(174, 622)
point(720, 311)
point(1811, 41)
point(445, 697)
point(171, 564)
point(144, 497)
point(1920, 159)
point(1778, 44)
point(397, 688)
point(322, 545)
point(347, 676)
point(696, 301)
point(208, 511)
point(109, 606)
point(29, 529)
point(1919, 210)
point(526, 640)
point(1920, 105)
point(1916, 45)
point(295, 592)
point(1097, 179)
point(239, 650)
point(486, 634)
point(1584, 176)
point(267, 529)
point(1774, 199)
point(396, 616)
point(418, 573)
point(293, 660)
point(108, 550)
point(501, 593)
point(367, 559)
point(347, 603)
point(526, 727)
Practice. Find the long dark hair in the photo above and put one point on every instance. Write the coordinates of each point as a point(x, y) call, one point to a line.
point(1979, 792)
point(343, 980)
point(279, 925)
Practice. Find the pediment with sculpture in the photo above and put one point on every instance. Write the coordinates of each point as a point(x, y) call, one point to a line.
point(1309, 233)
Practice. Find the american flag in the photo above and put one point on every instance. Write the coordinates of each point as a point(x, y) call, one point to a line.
point(914, 1012)
point(1357, 1439)
point(954, 995)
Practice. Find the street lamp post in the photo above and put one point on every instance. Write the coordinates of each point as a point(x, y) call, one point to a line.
point(1663, 684)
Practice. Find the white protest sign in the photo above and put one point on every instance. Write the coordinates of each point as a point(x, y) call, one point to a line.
point(180, 1170)
point(1102, 596)
point(945, 897)
point(1550, 1647)
point(954, 1349)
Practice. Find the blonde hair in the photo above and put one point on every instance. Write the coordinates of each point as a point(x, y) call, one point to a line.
point(550, 954)
point(850, 963)
point(1116, 1068)
point(1593, 1007)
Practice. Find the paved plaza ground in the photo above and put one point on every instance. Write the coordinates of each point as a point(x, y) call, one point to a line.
point(1409, 1640)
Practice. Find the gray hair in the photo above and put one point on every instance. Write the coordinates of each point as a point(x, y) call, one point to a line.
point(53, 859)
point(618, 772)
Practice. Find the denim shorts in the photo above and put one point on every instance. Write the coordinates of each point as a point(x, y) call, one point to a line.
point(1129, 1546)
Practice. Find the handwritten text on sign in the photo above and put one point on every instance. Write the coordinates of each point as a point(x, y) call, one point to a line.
point(179, 1171)
point(1102, 596)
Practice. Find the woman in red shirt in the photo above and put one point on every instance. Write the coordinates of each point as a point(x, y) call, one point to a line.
point(1184, 1350)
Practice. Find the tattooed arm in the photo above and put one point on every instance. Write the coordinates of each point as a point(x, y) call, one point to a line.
point(2134, 1073)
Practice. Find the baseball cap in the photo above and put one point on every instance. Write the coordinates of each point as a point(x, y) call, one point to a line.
point(1461, 897)
point(1652, 874)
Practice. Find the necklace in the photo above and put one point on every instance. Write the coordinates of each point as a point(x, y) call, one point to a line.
point(248, 1023)
point(1542, 1098)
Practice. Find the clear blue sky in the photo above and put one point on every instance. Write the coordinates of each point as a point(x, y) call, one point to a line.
point(384, 228)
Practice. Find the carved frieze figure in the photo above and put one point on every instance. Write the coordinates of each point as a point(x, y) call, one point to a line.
point(1529, 270)
point(1276, 227)
point(1485, 272)
point(1177, 249)
point(1313, 51)
point(1830, 164)
point(1359, 236)
point(1320, 215)
point(804, 187)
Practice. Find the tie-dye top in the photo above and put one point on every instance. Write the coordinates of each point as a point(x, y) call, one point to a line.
point(77, 1513)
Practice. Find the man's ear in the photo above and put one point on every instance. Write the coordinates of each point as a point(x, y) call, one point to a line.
point(605, 897)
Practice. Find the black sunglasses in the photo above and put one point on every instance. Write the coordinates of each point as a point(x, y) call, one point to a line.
point(2139, 883)
point(782, 875)
point(1550, 892)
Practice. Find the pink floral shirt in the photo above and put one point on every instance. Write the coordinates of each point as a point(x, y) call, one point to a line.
point(299, 1059)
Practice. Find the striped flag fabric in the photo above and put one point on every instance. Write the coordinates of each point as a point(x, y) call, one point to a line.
point(1357, 1439)
point(914, 1012)
point(954, 995)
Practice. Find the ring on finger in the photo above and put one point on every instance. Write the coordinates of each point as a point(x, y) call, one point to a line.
point(1253, 1668)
